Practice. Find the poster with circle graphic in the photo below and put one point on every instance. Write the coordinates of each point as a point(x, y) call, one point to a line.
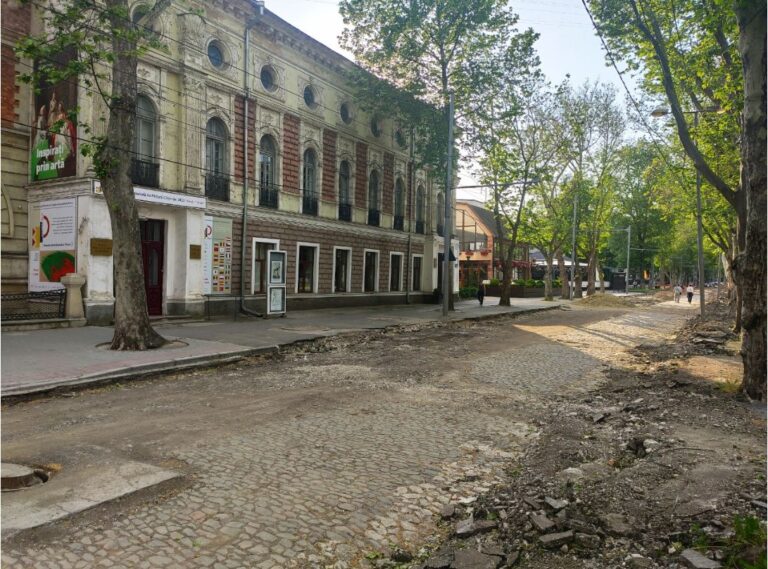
point(53, 243)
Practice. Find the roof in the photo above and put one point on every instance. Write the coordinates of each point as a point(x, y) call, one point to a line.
point(482, 214)
point(538, 258)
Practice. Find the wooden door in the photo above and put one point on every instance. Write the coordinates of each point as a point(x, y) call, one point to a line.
point(152, 250)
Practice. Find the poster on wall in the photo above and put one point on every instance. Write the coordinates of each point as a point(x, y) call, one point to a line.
point(53, 243)
point(276, 261)
point(217, 255)
point(54, 132)
point(207, 254)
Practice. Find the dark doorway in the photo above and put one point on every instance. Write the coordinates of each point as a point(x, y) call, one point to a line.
point(152, 251)
point(371, 271)
point(342, 269)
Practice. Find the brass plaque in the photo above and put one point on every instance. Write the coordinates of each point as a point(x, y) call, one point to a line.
point(195, 252)
point(101, 247)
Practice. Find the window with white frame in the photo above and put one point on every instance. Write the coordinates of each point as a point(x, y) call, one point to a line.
point(395, 272)
point(416, 272)
point(370, 270)
point(307, 257)
point(342, 269)
point(261, 247)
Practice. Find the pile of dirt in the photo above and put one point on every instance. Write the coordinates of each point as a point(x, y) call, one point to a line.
point(602, 299)
point(661, 467)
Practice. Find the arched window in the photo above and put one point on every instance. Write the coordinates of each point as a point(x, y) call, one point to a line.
point(268, 172)
point(420, 209)
point(345, 205)
point(216, 160)
point(144, 167)
point(373, 198)
point(399, 204)
point(309, 178)
point(440, 213)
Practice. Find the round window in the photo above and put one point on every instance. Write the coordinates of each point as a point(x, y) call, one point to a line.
point(215, 54)
point(268, 78)
point(376, 126)
point(309, 97)
point(346, 114)
point(400, 138)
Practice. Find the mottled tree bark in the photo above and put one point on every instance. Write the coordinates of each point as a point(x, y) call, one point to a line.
point(751, 262)
point(133, 330)
point(563, 274)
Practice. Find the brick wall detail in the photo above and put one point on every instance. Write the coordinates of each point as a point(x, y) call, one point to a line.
point(239, 139)
point(388, 187)
point(329, 164)
point(16, 23)
point(291, 161)
point(361, 175)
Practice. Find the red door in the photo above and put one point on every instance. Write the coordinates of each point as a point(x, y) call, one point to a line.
point(152, 249)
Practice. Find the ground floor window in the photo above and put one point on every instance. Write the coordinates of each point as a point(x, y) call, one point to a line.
point(395, 272)
point(371, 271)
point(416, 275)
point(260, 249)
point(341, 270)
point(306, 269)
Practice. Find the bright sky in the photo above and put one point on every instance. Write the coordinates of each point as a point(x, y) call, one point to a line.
point(567, 43)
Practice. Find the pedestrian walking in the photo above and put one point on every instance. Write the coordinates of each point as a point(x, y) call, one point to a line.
point(689, 292)
point(481, 294)
point(678, 291)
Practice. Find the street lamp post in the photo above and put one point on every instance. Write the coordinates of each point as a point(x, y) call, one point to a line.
point(660, 112)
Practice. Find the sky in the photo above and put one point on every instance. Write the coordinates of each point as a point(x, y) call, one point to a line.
point(567, 43)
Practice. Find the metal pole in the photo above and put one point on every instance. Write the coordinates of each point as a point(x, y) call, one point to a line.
point(448, 226)
point(629, 240)
point(573, 243)
point(699, 230)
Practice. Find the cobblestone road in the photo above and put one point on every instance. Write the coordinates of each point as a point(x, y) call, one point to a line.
point(319, 459)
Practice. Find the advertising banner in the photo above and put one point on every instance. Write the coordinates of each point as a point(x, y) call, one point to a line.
point(207, 254)
point(54, 134)
point(53, 243)
point(217, 255)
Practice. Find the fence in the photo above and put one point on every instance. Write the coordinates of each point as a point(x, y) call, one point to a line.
point(33, 305)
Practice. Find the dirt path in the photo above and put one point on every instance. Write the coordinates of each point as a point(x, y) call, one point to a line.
point(327, 455)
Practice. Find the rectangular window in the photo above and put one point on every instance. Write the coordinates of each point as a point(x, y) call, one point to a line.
point(306, 269)
point(416, 274)
point(259, 275)
point(395, 272)
point(341, 270)
point(371, 271)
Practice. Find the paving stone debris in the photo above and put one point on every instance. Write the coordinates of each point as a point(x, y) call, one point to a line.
point(695, 560)
point(541, 522)
point(554, 504)
point(472, 559)
point(470, 527)
point(555, 540)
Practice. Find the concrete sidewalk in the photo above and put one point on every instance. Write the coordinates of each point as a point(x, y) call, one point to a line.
point(40, 360)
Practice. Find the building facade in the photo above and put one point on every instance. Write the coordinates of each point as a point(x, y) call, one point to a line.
point(249, 138)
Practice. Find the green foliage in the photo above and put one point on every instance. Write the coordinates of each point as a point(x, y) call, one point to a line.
point(495, 282)
point(468, 292)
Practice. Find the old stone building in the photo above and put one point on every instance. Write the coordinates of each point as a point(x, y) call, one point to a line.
point(240, 107)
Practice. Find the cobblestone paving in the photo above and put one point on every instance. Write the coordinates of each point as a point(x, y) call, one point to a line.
point(321, 489)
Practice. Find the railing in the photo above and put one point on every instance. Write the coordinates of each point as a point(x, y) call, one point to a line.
point(345, 212)
point(33, 305)
point(374, 216)
point(309, 204)
point(217, 187)
point(420, 227)
point(398, 223)
point(145, 173)
point(440, 230)
point(268, 196)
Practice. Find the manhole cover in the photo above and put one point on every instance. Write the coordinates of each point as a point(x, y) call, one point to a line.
point(19, 476)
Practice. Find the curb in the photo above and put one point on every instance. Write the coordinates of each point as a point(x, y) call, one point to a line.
point(139, 371)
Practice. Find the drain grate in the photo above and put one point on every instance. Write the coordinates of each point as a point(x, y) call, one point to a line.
point(20, 476)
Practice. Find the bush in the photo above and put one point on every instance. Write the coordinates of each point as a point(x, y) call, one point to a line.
point(495, 282)
point(557, 283)
point(468, 292)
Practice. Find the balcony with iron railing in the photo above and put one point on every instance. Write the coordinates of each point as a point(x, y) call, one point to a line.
point(145, 173)
point(420, 227)
point(217, 187)
point(374, 217)
point(309, 204)
point(398, 223)
point(268, 196)
point(345, 212)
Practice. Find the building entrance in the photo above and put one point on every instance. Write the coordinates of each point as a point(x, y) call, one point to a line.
point(152, 251)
